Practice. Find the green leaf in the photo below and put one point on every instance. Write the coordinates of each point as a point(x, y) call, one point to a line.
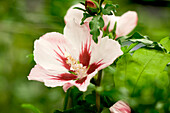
point(91, 98)
point(76, 95)
point(31, 107)
point(82, 3)
point(107, 10)
point(162, 79)
point(95, 25)
point(58, 111)
point(85, 15)
point(137, 37)
point(31, 58)
point(84, 108)
point(106, 110)
point(166, 43)
point(101, 1)
point(144, 41)
point(141, 69)
point(127, 49)
point(79, 9)
point(157, 46)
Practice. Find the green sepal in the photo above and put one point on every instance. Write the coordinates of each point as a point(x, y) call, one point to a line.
point(92, 11)
point(114, 30)
point(96, 3)
point(107, 28)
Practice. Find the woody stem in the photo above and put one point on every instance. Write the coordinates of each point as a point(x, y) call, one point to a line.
point(66, 100)
point(97, 94)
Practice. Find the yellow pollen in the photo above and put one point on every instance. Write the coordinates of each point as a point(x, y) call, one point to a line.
point(79, 69)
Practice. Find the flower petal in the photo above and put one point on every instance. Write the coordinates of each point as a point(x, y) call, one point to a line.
point(120, 107)
point(104, 53)
point(79, 36)
point(126, 23)
point(75, 14)
point(109, 18)
point(40, 74)
point(67, 86)
point(49, 52)
point(83, 83)
point(64, 77)
point(85, 54)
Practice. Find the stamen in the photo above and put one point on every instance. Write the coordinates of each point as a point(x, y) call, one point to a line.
point(79, 69)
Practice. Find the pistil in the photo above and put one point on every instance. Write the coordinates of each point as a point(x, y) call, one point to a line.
point(76, 67)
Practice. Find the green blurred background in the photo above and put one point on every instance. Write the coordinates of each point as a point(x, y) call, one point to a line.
point(24, 21)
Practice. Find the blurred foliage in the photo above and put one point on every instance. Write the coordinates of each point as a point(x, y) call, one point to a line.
point(23, 21)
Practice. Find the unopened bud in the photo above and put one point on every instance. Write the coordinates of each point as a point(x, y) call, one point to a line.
point(91, 7)
point(120, 107)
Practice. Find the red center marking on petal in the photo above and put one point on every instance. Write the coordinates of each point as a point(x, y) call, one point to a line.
point(84, 57)
point(94, 66)
point(80, 81)
point(64, 77)
point(63, 61)
point(60, 50)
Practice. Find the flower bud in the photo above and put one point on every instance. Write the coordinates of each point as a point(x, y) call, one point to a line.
point(91, 7)
point(120, 107)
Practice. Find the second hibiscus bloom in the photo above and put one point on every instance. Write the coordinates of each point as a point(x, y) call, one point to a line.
point(71, 59)
point(125, 23)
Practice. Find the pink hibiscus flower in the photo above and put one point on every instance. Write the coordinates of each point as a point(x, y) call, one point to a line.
point(125, 23)
point(120, 107)
point(71, 59)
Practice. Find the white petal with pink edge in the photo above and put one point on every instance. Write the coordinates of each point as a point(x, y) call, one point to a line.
point(67, 86)
point(50, 79)
point(78, 35)
point(105, 52)
point(75, 14)
point(109, 18)
point(120, 107)
point(83, 84)
point(38, 73)
point(126, 23)
point(49, 52)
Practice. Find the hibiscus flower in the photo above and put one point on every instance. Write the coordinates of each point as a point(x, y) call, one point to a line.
point(120, 107)
point(125, 23)
point(71, 59)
